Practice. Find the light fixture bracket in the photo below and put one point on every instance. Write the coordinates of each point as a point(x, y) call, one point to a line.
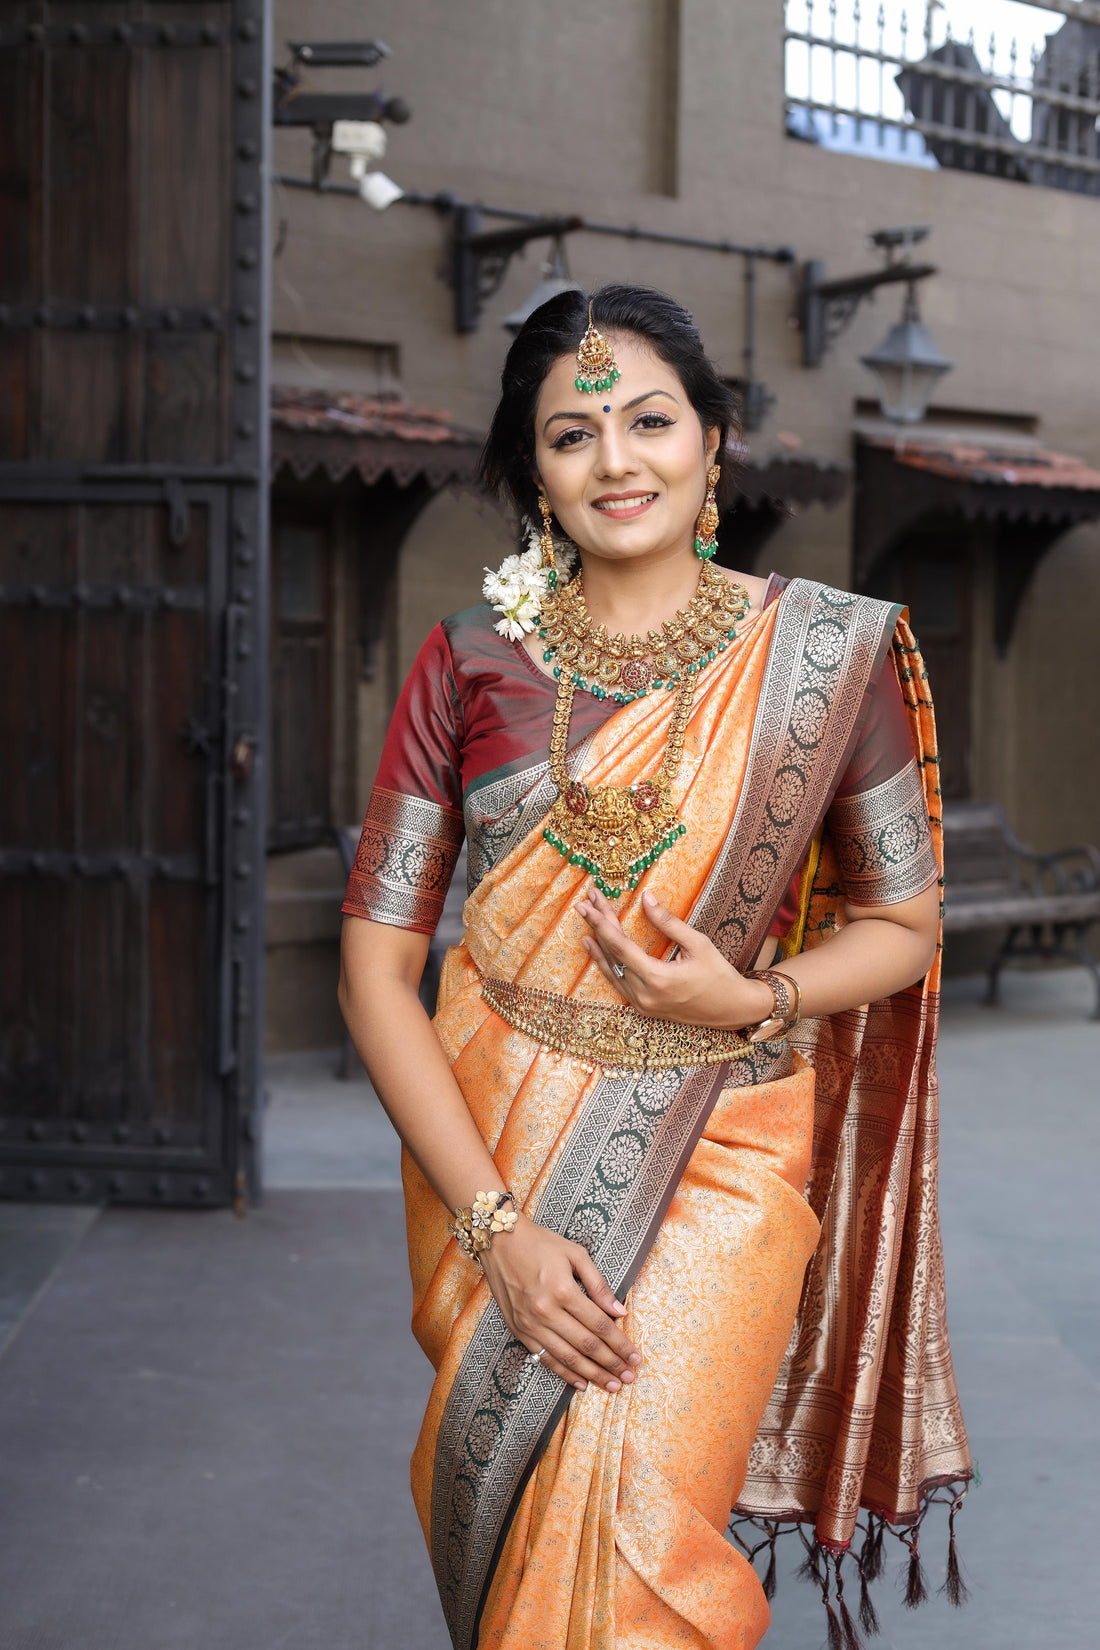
point(827, 308)
point(480, 257)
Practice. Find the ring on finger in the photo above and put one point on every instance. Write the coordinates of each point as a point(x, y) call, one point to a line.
point(536, 1357)
point(619, 970)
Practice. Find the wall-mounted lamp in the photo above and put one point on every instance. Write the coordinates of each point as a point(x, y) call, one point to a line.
point(480, 257)
point(907, 365)
point(555, 278)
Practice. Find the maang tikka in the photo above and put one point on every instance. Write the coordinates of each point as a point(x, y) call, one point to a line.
point(596, 362)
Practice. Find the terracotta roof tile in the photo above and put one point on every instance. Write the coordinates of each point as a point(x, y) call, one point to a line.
point(962, 461)
point(383, 417)
point(337, 433)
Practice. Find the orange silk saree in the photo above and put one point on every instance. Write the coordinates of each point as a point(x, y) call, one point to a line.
point(769, 1220)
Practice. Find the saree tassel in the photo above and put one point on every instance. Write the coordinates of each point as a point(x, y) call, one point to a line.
point(870, 1559)
point(852, 1640)
point(810, 1568)
point(769, 1574)
point(832, 1620)
point(868, 1615)
point(916, 1590)
point(955, 1587)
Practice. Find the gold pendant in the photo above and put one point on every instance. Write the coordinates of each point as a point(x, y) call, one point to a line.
point(614, 832)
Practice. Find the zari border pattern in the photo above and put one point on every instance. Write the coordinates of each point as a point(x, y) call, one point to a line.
point(823, 655)
point(403, 865)
point(883, 842)
point(609, 1191)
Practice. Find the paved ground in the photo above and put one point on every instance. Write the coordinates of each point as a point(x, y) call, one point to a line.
point(205, 1423)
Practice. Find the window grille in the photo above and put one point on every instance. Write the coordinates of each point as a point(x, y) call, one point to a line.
point(895, 82)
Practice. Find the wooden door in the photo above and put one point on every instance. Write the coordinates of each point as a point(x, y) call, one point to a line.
point(133, 480)
point(299, 798)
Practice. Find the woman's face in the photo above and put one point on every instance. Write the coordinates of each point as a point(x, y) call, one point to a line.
point(624, 469)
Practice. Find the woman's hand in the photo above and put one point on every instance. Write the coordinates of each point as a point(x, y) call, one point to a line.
point(697, 986)
point(536, 1278)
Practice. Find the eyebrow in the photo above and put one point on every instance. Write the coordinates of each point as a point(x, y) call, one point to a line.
point(637, 401)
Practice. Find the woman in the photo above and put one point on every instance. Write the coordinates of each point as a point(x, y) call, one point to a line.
point(669, 777)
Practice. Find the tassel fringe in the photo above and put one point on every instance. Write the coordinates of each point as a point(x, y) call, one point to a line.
point(954, 1586)
point(852, 1640)
point(823, 1566)
point(832, 1620)
point(915, 1589)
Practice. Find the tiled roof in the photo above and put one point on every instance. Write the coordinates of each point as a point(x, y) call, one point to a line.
point(962, 461)
point(373, 435)
point(790, 478)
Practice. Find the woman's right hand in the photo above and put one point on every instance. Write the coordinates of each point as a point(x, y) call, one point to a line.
point(555, 1300)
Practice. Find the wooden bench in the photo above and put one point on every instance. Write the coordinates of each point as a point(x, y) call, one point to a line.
point(1047, 902)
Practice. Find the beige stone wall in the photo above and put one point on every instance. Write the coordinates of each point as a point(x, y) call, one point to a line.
point(582, 108)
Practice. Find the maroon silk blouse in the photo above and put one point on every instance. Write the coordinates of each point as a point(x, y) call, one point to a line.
point(469, 740)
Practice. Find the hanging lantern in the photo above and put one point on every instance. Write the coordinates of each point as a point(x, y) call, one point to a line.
point(907, 365)
point(555, 278)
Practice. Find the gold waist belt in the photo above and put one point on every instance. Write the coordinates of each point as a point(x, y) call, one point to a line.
point(610, 1035)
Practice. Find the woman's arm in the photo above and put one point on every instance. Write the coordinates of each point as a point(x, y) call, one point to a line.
point(881, 949)
point(533, 1272)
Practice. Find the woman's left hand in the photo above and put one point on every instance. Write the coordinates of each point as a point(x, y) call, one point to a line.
point(697, 986)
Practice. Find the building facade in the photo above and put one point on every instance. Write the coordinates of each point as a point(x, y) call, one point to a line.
point(670, 115)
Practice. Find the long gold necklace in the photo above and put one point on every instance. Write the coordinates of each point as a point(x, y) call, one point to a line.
point(616, 832)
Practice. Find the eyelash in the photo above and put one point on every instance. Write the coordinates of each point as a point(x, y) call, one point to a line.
point(662, 422)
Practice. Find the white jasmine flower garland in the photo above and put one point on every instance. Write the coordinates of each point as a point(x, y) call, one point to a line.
point(518, 587)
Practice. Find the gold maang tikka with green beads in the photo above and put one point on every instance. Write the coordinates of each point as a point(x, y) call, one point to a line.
point(595, 362)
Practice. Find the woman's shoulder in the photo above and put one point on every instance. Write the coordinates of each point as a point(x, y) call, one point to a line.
point(469, 633)
point(460, 642)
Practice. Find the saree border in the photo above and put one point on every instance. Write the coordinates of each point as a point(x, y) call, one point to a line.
point(825, 648)
point(500, 1409)
point(609, 1191)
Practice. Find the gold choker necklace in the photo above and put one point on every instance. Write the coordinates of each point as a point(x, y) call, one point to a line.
point(616, 832)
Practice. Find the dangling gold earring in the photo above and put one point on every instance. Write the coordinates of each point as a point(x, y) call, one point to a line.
point(706, 523)
point(546, 541)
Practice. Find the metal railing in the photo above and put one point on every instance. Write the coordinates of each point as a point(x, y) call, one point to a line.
point(894, 81)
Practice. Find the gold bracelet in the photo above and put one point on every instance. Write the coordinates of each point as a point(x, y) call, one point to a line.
point(785, 993)
point(476, 1226)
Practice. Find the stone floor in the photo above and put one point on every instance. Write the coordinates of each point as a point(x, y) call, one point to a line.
point(205, 1423)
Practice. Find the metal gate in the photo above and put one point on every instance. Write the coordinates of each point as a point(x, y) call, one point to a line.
point(133, 580)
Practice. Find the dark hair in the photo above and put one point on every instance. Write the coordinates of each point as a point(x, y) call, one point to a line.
point(555, 329)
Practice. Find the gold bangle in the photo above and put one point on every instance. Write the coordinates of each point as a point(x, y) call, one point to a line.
point(475, 1227)
point(787, 998)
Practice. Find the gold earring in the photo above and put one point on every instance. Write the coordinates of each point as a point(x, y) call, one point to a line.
point(546, 540)
point(706, 523)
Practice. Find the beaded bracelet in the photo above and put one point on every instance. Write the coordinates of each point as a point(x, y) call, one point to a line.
point(476, 1226)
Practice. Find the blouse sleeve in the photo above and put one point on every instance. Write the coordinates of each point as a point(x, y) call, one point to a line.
point(413, 831)
point(878, 819)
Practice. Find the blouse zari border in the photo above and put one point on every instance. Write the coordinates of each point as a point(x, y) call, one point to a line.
point(883, 841)
point(403, 865)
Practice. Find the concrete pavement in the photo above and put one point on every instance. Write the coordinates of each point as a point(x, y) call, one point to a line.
point(205, 1423)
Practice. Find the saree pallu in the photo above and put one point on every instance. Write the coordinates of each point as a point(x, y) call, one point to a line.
point(566, 1521)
